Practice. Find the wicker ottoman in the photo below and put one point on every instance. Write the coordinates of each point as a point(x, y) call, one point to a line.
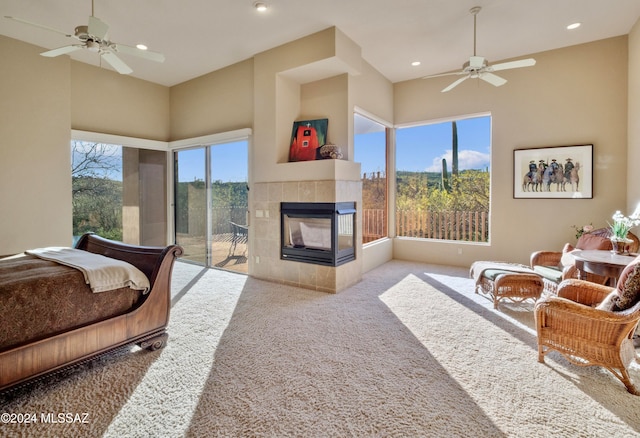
point(517, 286)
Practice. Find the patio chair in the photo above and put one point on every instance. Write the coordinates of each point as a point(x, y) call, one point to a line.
point(593, 336)
point(239, 234)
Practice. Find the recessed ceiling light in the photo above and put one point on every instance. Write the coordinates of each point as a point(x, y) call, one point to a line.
point(142, 47)
point(260, 6)
point(415, 63)
point(573, 26)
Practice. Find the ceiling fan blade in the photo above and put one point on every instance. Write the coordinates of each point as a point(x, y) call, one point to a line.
point(116, 63)
point(493, 79)
point(20, 20)
point(454, 73)
point(514, 64)
point(97, 27)
point(62, 51)
point(455, 84)
point(146, 54)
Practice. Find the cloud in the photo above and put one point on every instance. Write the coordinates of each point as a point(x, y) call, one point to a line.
point(467, 159)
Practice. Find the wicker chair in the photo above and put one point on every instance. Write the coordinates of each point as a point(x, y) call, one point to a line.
point(587, 336)
point(549, 263)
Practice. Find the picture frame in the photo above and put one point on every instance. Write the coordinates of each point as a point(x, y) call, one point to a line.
point(307, 137)
point(541, 173)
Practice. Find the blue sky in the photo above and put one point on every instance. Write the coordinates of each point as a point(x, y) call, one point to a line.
point(228, 163)
point(421, 148)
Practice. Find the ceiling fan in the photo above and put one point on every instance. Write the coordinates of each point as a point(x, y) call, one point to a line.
point(478, 67)
point(93, 37)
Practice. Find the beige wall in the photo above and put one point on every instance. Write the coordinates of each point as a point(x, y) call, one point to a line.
point(153, 197)
point(216, 102)
point(107, 102)
point(144, 197)
point(372, 92)
point(567, 98)
point(328, 98)
point(131, 196)
point(35, 172)
point(633, 153)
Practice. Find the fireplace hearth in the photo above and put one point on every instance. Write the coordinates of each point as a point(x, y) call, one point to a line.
point(321, 233)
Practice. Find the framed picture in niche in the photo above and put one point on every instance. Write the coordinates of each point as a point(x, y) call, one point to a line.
point(558, 172)
point(307, 137)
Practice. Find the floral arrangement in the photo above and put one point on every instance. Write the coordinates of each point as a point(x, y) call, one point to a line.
point(622, 224)
point(583, 229)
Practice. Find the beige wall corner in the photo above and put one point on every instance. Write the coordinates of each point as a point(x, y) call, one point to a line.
point(219, 101)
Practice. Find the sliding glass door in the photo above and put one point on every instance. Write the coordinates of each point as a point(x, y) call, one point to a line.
point(191, 204)
point(211, 199)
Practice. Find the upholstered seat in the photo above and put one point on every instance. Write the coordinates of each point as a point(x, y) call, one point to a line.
point(555, 266)
point(591, 324)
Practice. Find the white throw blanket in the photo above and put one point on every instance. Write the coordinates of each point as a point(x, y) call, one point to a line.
point(100, 272)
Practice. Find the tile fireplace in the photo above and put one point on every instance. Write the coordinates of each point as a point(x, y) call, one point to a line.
point(266, 231)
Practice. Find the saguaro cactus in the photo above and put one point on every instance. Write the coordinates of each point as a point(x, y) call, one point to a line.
point(445, 176)
point(454, 149)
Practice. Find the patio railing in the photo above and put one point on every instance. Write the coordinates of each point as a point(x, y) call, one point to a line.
point(471, 226)
point(458, 225)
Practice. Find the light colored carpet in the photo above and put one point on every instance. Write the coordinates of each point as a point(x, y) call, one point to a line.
point(410, 351)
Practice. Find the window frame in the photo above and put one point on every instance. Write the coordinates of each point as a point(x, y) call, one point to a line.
point(388, 130)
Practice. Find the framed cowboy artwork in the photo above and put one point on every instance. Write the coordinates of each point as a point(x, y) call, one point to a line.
point(562, 172)
point(306, 139)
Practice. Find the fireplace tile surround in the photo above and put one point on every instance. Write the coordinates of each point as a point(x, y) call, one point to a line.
point(265, 262)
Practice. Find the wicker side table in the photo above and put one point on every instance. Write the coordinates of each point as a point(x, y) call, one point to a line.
point(515, 286)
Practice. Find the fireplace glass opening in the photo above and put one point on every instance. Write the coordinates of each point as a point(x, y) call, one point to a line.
point(320, 233)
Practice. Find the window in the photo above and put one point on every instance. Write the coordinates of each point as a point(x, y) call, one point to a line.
point(119, 188)
point(96, 172)
point(370, 150)
point(442, 180)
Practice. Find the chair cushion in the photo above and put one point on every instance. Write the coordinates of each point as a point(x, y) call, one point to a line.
point(627, 291)
point(493, 273)
point(549, 272)
point(591, 241)
point(609, 303)
point(629, 285)
point(586, 242)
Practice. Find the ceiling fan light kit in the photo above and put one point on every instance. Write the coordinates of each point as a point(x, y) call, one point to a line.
point(93, 37)
point(477, 67)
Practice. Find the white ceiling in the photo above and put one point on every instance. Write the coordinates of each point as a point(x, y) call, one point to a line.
point(200, 36)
